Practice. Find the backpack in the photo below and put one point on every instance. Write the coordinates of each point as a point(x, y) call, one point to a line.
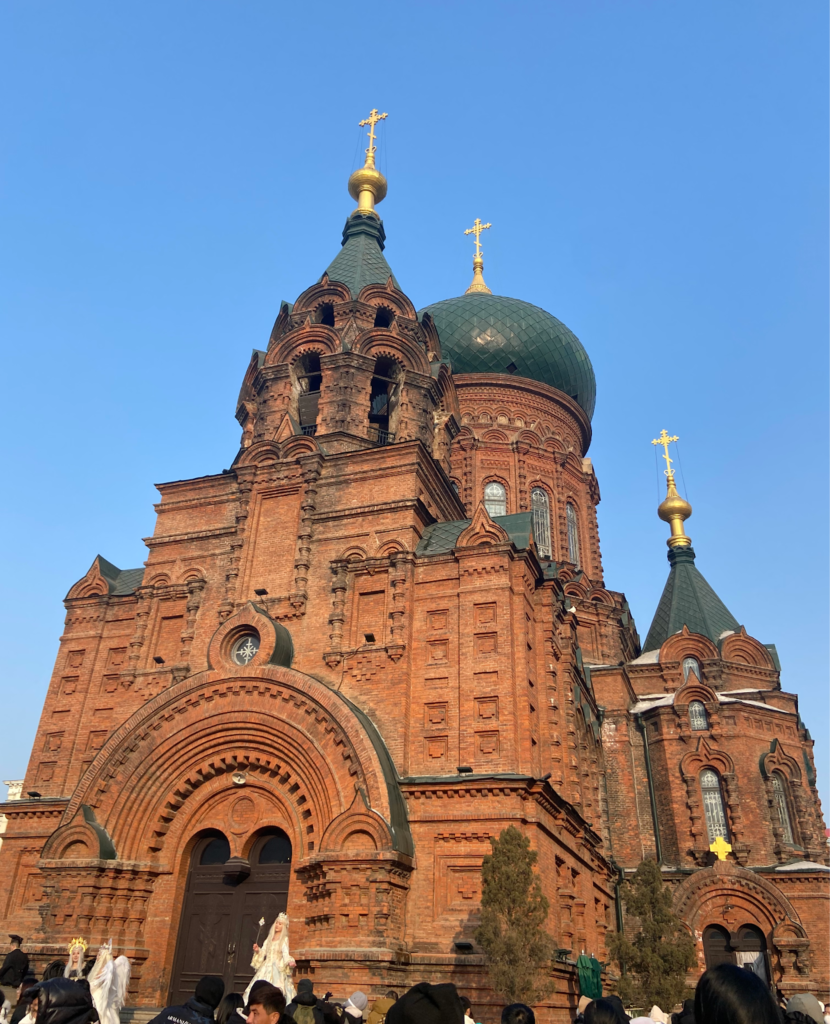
point(304, 1015)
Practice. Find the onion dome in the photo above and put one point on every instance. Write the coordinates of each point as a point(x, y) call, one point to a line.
point(483, 333)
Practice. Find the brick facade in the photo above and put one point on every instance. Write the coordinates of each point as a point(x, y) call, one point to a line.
point(427, 635)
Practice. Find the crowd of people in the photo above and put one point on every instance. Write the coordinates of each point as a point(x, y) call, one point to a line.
point(70, 993)
point(726, 994)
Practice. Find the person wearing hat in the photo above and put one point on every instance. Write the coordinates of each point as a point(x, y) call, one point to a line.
point(305, 1007)
point(806, 1003)
point(13, 970)
point(355, 1005)
point(199, 1008)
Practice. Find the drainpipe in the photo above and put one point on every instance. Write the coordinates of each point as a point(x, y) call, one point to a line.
point(618, 905)
point(658, 846)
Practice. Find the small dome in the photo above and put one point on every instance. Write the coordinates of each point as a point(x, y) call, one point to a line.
point(492, 334)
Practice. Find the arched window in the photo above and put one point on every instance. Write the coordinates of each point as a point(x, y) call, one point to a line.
point(690, 665)
point(495, 499)
point(713, 807)
point(697, 716)
point(217, 851)
point(540, 507)
point(276, 850)
point(573, 534)
point(779, 792)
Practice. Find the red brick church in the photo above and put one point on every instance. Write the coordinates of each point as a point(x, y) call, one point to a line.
point(378, 639)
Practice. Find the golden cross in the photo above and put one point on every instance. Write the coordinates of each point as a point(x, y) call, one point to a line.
point(665, 441)
point(372, 120)
point(720, 848)
point(476, 230)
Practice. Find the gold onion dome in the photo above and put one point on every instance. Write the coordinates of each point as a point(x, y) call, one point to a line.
point(367, 185)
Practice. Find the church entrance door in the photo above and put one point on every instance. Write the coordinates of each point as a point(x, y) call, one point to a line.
point(222, 910)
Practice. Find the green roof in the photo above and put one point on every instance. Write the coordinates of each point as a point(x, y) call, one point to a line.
point(440, 538)
point(493, 334)
point(688, 600)
point(361, 260)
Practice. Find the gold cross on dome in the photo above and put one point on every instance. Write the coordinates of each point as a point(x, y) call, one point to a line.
point(476, 230)
point(665, 441)
point(372, 120)
point(720, 847)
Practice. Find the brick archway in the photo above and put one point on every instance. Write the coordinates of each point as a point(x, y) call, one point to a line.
point(265, 747)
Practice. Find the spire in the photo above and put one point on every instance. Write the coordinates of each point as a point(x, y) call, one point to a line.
point(368, 185)
point(673, 509)
point(478, 284)
point(687, 598)
point(361, 260)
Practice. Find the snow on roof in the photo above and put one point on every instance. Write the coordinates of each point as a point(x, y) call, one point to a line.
point(754, 703)
point(649, 658)
point(802, 865)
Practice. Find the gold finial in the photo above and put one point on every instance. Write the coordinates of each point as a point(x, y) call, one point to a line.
point(673, 510)
point(720, 848)
point(478, 284)
point(368, 185)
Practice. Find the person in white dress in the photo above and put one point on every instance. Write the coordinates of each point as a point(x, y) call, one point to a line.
point(273, 962)
point(108, 982)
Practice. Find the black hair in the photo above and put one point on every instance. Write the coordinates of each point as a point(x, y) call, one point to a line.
point(602, 1011)
point(269, 997)
point(728, 994)
point(466, 1004)
point(54, 969)
point(226, 1010)
point(392, 994)
point(518, 1013)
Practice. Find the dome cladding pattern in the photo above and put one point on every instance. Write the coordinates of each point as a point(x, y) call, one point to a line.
point(494, 334)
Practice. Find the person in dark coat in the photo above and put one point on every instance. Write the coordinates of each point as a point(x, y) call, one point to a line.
point(266, 1005)
point(427, 1004)
point(305, 1007)
point(13, 969)
point(199, 1008)
point(518, 1013)
point(686, 1015)
point(60, 1001)
point(24, 998)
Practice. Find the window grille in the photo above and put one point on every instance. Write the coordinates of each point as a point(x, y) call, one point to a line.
point(495, 499)
point(690, 665)
point(713, 808)
point(780, 793)
point(697, 716)
point(540, 507)
point(573, 534)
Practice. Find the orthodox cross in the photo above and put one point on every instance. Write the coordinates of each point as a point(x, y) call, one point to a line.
point(664, 440)
point(476, 230)
point(372, 120)
point(720, 847)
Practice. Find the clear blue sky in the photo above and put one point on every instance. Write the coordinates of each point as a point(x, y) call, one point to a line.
point(656, 175)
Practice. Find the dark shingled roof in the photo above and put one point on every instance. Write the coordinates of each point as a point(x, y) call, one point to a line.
point(361, 260)
point(440, 538)
point(688, 600)
point(120, 581)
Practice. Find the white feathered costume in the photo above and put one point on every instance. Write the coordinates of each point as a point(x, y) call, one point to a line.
point(273, 962)
point(108, 982)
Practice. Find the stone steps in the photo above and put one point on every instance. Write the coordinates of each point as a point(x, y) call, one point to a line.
point(138, 1014)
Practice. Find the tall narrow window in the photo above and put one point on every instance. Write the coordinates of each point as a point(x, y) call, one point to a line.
point(690, 665)
point(383, 399)
point(697, 716)
point(779, 791)
point(713, 808)
point(310, 378)
point(495, 499)
point(573, 534)
point(540, 507)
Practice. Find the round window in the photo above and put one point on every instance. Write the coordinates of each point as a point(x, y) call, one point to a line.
point(245, 648)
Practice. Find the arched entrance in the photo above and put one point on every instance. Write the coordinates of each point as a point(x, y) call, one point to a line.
point(224, 901)
point(750, 947)
point(716, 947)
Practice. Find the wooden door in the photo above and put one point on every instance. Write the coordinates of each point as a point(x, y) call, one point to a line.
point(716, 946)
point(221, 912)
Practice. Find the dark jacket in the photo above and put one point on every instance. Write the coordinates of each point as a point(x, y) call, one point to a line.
point(194, 1011)
point(63, 1002)
point(14, 968)
point(306, 999)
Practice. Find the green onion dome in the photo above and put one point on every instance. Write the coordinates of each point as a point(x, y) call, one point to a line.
point(483, 333)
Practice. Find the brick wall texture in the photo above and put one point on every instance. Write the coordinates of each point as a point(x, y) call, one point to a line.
point(415, 652)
